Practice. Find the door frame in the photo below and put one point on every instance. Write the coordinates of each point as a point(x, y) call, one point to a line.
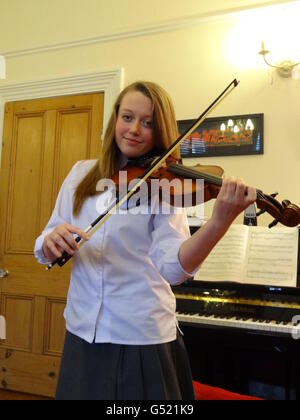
point(109, 82)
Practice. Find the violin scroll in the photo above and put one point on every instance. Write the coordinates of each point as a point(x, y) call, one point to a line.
point(286, 213)
point(290, 214)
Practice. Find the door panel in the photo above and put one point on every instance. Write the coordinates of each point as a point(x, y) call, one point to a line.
point(18, 311)
point(54, 326)
point(25, 184)
point(42, 140)
point(71, 126)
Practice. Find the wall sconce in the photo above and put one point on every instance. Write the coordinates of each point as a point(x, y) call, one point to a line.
point(285, 69)
point(237, 126)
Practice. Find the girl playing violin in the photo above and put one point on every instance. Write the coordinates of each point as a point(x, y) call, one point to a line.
point(122, 340)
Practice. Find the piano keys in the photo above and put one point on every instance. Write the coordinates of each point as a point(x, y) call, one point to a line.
point(242, 323)
point(215, 308)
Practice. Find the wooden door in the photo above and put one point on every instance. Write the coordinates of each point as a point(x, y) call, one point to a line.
point(42, 140)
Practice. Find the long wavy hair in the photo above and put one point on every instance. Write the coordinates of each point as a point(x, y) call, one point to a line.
point(165, 132)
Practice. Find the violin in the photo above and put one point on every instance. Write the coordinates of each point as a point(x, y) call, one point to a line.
point(285, 213)
point(175, 193)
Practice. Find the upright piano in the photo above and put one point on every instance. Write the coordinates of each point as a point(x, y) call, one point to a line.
point(243, 337)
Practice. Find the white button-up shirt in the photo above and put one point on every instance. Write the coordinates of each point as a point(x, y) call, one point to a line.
point(120, 283)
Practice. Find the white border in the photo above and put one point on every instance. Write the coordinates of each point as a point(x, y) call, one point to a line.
point(110, 82)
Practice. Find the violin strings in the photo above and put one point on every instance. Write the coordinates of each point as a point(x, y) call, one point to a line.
point(185, 171)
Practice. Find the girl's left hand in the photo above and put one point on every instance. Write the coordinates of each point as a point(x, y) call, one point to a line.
point(233, 198)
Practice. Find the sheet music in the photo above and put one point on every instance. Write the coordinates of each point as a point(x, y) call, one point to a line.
point(226, 261)
point(254, 254)
point(272, 257)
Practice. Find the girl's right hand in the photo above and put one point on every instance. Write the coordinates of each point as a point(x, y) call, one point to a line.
point(61, 239)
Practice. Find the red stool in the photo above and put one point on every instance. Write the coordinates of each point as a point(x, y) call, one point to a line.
point(206, 392)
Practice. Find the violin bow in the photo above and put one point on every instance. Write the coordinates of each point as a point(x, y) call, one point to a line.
point(97, 223)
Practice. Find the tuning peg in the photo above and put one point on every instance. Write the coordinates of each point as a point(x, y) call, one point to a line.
point(274, 223)
point(274, 195)
point(260, 213)
point(286, 203)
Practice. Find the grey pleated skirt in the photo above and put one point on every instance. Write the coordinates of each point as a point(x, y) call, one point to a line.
point(124, 372)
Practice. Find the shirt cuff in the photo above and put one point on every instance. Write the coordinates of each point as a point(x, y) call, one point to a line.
point(38, 250)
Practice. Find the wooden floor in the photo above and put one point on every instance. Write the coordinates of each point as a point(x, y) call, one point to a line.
point(11, 395)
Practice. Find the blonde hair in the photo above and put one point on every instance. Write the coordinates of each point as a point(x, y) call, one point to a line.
point(165, 132)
